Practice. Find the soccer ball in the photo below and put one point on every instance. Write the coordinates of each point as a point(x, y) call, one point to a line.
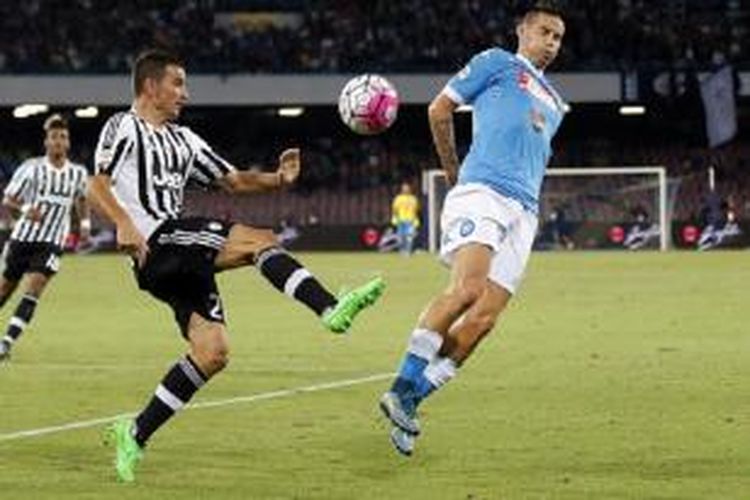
point(368, 104)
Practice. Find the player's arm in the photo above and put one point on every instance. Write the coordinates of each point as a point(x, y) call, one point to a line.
point(463, 88)
point(440, 112)
point(16, 193)
point(115, 141)
point(251, 181)
point(394, 211)
point(84, 218)
point(14, 205)
point(102, 199)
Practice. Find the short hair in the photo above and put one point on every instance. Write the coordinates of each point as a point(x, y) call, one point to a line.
point(55, 121)
point(152, 63)
point(550, 7)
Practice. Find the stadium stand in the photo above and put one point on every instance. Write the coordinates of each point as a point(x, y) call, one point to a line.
point(343, 36)
point(349, 180)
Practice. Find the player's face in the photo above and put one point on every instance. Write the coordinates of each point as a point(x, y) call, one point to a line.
point(57, 142)
point(171, 93)
point(539, 38)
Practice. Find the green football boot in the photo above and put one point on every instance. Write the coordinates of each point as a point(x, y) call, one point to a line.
point(129, 453)
point(340, 317)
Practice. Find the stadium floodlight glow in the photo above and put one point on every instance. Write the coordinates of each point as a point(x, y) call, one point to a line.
point(87, 112)
point(632, 110)
point(291, 112)
point(26, 110)
point(464, 108)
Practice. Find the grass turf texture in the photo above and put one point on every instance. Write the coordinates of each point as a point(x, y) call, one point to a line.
point(612, 375)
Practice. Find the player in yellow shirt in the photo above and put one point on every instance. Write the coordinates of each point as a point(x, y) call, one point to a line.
point(405, 218)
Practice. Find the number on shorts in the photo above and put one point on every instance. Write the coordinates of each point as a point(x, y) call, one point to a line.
point(216, 312)
point(53, 263)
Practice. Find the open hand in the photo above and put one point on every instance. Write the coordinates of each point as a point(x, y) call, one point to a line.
point(289, 165)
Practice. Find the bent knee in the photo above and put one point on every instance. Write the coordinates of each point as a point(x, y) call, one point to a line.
point(250, 241)
point(481, 323)
point(211, 360)
point(469, 292)
point(219, 359)
point(246, 235)
point(264, 238)
point(209, 345)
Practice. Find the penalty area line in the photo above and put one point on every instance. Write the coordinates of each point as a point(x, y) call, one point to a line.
point(283, 393)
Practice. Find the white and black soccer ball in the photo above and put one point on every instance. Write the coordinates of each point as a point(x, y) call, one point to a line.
point(368, 104)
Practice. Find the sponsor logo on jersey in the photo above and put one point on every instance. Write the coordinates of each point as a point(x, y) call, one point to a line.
point(531, 85)
point(538, 121)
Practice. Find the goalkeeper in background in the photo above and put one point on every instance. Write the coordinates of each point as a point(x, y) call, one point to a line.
point(405, 218)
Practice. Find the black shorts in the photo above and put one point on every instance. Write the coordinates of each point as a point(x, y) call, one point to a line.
point(30, 257)
point(179, 269)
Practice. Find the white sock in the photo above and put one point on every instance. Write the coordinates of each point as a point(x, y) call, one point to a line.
point(440, 371)
point(424, 343)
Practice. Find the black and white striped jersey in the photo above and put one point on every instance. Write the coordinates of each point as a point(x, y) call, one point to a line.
point(52, 191)
point(150, 167)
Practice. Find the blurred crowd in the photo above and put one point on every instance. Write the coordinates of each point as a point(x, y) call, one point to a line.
point(359, 167)
point(346, 36)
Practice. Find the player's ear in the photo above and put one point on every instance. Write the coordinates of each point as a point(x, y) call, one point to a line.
point(520, 27)
point(149, 86)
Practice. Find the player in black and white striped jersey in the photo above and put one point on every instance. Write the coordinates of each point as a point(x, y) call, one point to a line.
point(42, 196)
point(143, 161)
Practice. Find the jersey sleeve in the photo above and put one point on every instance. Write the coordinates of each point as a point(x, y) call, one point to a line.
point(206, 166)
point(82, 183)
point(20, 185)
point(116, 141)
point(468, 83)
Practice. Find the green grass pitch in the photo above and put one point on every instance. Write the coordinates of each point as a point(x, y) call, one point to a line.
point(612, 375)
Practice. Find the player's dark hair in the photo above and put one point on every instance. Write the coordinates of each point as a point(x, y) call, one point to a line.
point(551, 7)
point(55, 121)
point(152, 64)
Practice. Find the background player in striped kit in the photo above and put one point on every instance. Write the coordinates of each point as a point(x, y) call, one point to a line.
point(42, 195)
point(143, 162)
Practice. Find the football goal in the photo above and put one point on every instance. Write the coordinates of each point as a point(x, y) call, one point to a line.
point(595, 206)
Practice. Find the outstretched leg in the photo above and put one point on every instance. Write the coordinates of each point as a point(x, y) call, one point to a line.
point(246, 246)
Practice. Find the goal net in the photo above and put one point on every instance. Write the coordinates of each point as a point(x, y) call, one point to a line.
point(613, 207)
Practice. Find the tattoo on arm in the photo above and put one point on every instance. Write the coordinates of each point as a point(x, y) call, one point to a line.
point(445, 144)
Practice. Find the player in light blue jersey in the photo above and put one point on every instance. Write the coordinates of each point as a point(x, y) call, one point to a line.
point(489, 217)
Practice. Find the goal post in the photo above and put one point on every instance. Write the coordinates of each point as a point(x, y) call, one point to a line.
point(594, 196)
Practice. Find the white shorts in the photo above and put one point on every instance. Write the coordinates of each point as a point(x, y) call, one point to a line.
point(474, 213)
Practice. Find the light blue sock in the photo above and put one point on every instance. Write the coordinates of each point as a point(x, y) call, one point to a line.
point(423, 346)
point(411, 370)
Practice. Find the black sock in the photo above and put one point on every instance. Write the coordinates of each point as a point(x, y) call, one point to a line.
point(21, 318)
point(175, 390)
point(290, 277)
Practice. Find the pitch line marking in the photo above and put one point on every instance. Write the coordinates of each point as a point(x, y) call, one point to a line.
point(283, 393)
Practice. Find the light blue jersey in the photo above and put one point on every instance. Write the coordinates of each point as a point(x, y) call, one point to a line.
point(516, 114)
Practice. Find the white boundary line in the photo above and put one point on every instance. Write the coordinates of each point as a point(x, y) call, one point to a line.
point(83, 424)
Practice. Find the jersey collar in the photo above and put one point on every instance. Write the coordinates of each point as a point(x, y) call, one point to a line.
point(49, 164)
point(534, 69)
point(564, 107)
